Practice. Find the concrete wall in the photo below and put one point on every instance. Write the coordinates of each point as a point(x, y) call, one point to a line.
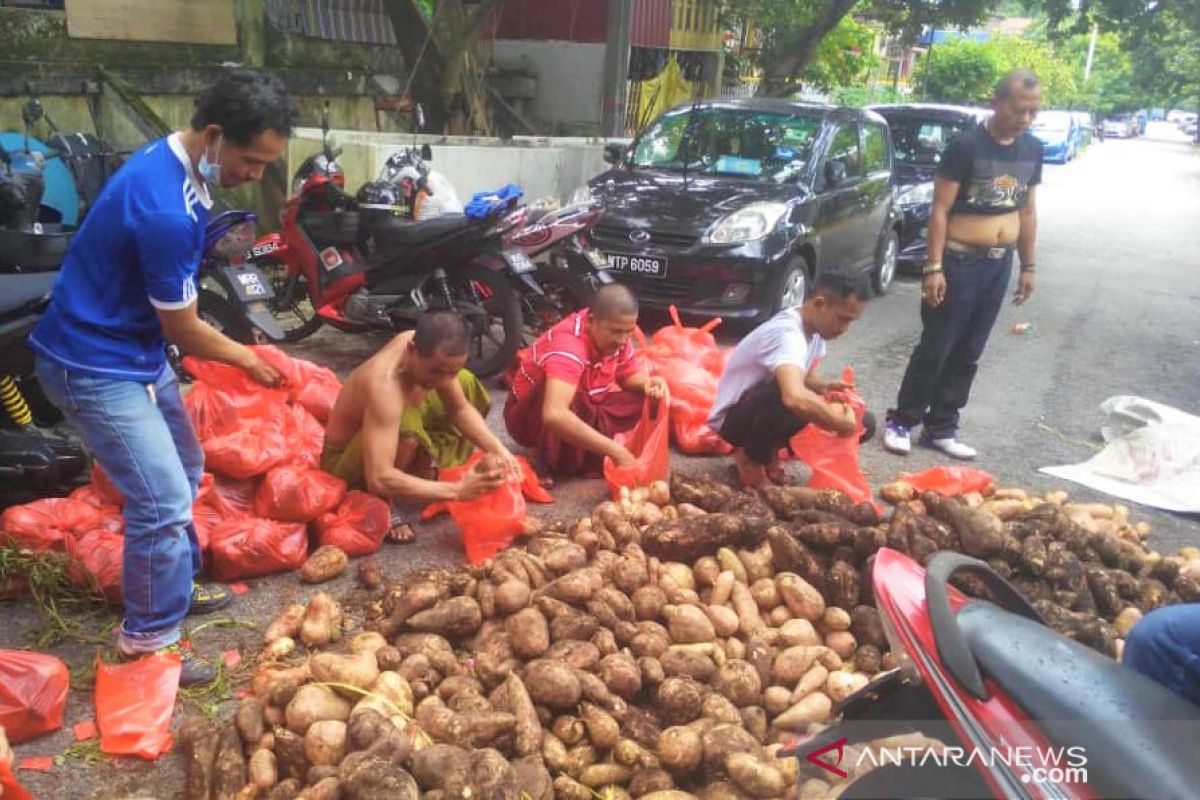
point(569, 81)
point(541, 166)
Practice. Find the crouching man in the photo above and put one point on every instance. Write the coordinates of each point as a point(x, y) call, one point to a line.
point(770, 389)
point(579, 385)
point(410, 408)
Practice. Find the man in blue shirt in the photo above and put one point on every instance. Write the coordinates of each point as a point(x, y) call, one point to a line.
point(127, 286)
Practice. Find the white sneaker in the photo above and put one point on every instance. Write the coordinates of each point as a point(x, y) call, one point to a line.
point(897, 439)
point(951, 447)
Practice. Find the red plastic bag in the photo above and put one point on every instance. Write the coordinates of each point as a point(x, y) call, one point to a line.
point(33, 694)
point(648, 441)
point(696, 438)
point(88, 493)
point(134, 704)
point(239, 390)
point(246, 547)
point(211, 411)
point(832, 458)
point(46, 524)
point(253, 447)
point(314, 387)
point(531, 486)
point(949, 481)
point(295, 493)
point(100, 555)
point(358, 526)
point(689, 360)
point(489, 523)
point(307, 436)
point(9, 788)
point(212, 507)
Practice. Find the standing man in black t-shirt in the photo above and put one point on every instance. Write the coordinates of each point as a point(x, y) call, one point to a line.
point(983, 210)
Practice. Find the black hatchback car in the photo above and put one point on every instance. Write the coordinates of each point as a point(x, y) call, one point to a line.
point(731, 208)
point(920, 132)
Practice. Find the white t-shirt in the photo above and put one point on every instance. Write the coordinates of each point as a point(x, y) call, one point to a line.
point(777, 342)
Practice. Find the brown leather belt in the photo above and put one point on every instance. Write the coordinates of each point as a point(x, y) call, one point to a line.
point(993, 253)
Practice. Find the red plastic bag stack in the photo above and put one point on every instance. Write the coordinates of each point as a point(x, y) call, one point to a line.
point(295, 493)
point(134, 704)
point(358, 526)
point(489, 523)
point(310, 386)
point(33, 694)
point(832, 458)
point(648, 441)
point(691, 363)
point(247, 547)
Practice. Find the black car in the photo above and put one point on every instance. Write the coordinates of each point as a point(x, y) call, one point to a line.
point(920, 132)
point(731, 208)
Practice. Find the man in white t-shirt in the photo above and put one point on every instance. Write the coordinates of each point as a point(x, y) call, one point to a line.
point(770, 389)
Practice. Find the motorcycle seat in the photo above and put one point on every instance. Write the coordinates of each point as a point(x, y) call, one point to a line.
point(397, 232)
point(24, 292)
point(1138, 737)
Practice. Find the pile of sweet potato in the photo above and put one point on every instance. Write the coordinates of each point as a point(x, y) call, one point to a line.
point(664, 647)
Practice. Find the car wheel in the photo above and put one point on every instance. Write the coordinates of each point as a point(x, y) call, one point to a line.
point(885, 263)
point(793, 285)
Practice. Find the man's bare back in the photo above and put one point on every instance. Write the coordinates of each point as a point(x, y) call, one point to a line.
point(374, 382)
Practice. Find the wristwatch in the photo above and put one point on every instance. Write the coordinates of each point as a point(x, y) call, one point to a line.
point(931, 269)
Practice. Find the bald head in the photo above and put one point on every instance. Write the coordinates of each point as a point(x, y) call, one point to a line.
point(613, 302)
point(441, 331)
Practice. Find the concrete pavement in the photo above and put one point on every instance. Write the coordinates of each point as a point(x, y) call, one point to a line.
point(1116, 311)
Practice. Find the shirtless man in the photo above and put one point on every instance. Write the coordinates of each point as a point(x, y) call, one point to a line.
point(983, 210)
point(412, 407)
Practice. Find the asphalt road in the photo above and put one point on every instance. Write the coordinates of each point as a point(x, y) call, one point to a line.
point(1116, 311)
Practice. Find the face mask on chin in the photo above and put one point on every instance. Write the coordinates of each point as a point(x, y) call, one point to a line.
point(210, 171)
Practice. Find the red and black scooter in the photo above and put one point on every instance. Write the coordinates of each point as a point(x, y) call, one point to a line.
point(1022, 711)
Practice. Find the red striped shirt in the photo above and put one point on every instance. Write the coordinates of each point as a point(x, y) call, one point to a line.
point(566, 352)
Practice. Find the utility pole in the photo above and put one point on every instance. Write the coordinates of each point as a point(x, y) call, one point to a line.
point(1087, 70)
point(928, 63)
point(616, 68)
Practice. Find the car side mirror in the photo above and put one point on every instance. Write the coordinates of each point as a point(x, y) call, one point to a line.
point(835, 172)
point(614, 153)
point(426, 152)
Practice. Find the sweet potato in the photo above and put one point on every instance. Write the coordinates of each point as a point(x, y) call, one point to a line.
point(809, 682)
point(601, 727)
point(897, 492)
point(867, 627)
point(322, 622)
point(286, 624)
point(621, 675)
point(568, 729)
point(528, 632)
point(325, 742)
point(813, 708)
point(419, 596)
point(370, 778)
point(868, 658)
point(358, 669)
point(289, 755)
point(458, 616)
point(749, 620)
point(262, 770)
point(800, 596)
point(793, 662)
point(765, 594)
point(689, 538)
point(690, 661)
point(432, 765)
point(326, 563)
point(757, 778)
point(532, 779)
point(552, 684)
point(678, 700)
point(739, 682)
point(248, 719)
point(981, 533)
point(600, 775)
point(199, 738)
point(567, 788)
point(312, 704)
point(688, 624)
point(842, 643)
point(839, 685)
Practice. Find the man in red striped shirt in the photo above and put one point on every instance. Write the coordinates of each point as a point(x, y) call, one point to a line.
point(580, 384)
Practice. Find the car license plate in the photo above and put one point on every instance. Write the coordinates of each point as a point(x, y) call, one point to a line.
point(646, 266)
point(519, 262)
point(249, 284)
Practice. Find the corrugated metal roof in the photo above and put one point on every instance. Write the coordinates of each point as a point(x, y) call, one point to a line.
point(651, 24)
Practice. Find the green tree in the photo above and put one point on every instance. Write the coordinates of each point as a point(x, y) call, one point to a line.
point(960, 71)
point(794, 29)
point(843, 56)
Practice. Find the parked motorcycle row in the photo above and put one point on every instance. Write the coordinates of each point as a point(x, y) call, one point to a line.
point(400, 246)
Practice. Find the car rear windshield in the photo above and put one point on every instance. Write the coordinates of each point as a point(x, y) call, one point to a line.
point(721, 141)
point(921, 141)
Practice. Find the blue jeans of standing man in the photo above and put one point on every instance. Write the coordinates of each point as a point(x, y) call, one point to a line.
point(1165, 646)
point(143, 438)
point(938, 380)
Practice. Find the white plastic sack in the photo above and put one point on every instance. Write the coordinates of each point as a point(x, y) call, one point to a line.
point(443, 201)
point(1152, 456)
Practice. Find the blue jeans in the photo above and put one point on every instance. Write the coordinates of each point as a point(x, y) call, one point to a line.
point(942, 368)
point(143, 438)
point(1165, 646)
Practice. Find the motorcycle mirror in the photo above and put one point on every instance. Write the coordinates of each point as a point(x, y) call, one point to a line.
point(426, 152)
point(419, 110)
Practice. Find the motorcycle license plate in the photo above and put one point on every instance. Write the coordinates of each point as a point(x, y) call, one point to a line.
point(645, 266)
point(250, 284)
point(519, 262)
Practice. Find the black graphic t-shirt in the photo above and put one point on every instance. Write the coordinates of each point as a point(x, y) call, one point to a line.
point(993, 178)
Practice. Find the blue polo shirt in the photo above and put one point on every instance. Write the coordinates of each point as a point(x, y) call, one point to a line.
point(138, 249)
